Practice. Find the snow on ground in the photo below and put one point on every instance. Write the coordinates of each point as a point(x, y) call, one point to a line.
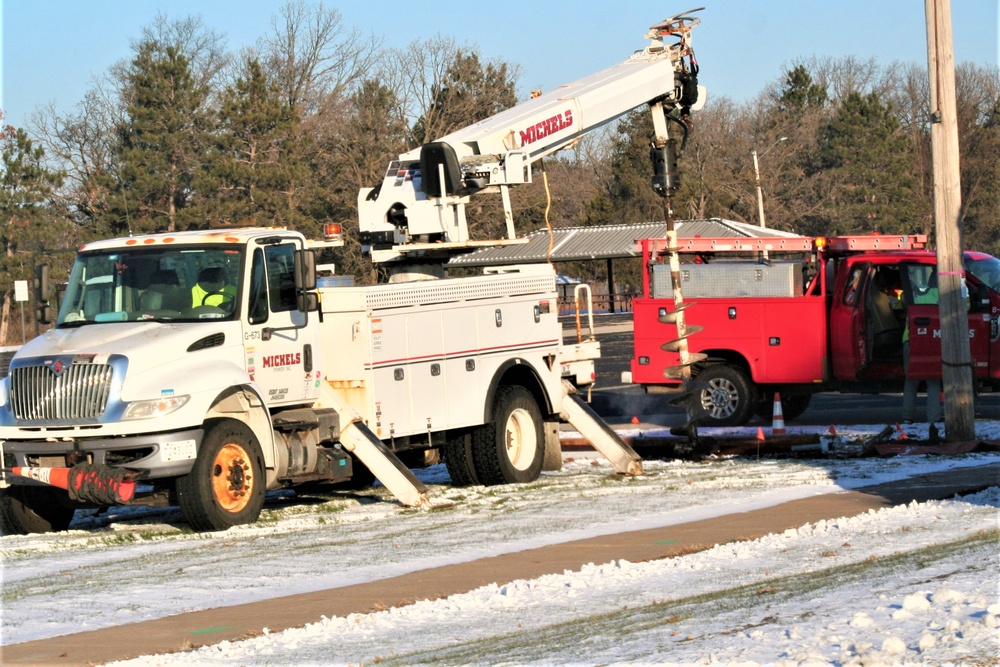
point(906, 585)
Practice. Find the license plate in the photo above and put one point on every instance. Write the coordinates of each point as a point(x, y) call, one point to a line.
point(182, 450)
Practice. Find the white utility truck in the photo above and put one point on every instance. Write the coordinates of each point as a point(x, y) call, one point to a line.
point(204, 368)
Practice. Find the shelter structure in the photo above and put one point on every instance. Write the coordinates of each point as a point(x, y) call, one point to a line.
point(603, 242)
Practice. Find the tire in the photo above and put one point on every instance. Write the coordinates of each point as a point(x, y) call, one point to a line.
point(34, 509)
point(792, 407)
point(730, 398)
point(459, 461)
point(225, 488)
point(511, 448)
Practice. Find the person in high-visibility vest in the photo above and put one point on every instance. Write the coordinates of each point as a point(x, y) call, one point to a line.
point(211, 289)
point(928, 295)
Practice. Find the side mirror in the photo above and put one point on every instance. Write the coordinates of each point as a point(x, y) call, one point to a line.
point(43, 293)
point(305, 270)
point(306, 298)
point(307, 302)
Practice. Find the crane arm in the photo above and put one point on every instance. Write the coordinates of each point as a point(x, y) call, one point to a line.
point(421, 199)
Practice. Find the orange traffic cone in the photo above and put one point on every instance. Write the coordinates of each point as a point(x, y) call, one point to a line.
point(54, 476)
point(85, 483)
point(900, 433)
point(832, 430)
point(778, 423)
point(635, 419)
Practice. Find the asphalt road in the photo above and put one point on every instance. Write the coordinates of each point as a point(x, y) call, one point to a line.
point(617, 403)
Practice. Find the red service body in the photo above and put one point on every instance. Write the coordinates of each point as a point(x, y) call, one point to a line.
point(800, 315)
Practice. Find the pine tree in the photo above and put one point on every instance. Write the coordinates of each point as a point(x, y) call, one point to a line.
point(161, 144)
point(981, 182)
point(29, 222)
point(799, 93)
point(864, 161)
point(470, 92)
point(252, 171)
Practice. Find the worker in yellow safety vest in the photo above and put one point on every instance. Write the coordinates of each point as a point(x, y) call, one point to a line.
point(212, 290)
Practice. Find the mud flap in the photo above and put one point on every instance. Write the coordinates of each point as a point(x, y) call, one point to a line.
point(583, 418)
point(553, 451)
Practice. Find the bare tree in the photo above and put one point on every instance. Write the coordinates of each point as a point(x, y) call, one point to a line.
point(204, 49)
point(443, 85)
point(312, 55)
point(81, 144)
point(842, 76)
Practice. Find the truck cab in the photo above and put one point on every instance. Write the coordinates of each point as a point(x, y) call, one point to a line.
point(882, 300)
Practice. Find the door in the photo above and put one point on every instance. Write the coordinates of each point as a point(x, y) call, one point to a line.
point(848, 341)
point(924, 326)
point(279, 348)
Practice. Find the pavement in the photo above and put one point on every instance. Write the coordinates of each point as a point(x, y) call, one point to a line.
point(211, 626)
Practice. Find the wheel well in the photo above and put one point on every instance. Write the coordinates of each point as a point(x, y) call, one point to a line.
point(724, 357)
point(517, 372)
point(244, 405)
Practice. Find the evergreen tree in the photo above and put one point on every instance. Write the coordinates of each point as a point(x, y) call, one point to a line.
point(981, 182)
point(354, 154)
point(161, 144)
point(469, 93)
point(29, 222)
point(863, 161)
point(254, 170)
point(799, 93)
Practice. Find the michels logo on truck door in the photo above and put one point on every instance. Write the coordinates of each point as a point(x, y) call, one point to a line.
point(279, 360)
point(559, 122)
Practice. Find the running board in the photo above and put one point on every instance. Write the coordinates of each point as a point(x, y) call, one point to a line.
point(583, 418)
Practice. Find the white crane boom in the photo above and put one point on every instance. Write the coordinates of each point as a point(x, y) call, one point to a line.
point(419, 208)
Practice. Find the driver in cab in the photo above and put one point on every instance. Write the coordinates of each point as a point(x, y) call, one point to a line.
point(211, 288)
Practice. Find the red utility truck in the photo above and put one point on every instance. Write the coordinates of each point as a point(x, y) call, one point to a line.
point(802, 315)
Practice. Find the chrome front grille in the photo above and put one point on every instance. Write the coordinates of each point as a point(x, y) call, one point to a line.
point(80, 391)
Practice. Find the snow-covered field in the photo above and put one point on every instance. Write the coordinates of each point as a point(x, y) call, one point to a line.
point(917, 584)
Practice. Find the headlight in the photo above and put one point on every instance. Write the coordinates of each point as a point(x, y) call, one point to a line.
point(158, 407)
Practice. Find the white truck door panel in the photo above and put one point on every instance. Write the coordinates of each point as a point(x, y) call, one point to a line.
point(281, 357)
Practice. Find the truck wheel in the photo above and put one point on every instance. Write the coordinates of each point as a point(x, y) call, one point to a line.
point(225, 487)
point(33, 509)
point(729, 399)
point(458, 459)
point(792, 407)
point(511, 448)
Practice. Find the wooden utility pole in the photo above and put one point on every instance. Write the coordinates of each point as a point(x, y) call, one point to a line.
point(956, 359)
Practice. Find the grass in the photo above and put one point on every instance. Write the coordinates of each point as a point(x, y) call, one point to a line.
point(687, 616)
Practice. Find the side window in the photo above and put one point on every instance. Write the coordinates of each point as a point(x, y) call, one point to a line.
point(281, 277)
point(853, 286)
point(922, 279)
point(258, 289)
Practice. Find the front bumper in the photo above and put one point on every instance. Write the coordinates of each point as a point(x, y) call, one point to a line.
point(158, 454)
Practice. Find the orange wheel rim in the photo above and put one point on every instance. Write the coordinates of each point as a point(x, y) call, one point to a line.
point(232, 478)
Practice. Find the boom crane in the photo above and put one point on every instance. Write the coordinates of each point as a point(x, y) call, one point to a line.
point(417, 213)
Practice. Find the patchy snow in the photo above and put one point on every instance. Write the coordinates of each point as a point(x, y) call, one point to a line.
point(915, 584)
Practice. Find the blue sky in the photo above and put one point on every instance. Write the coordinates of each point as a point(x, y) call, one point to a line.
point(53, 49)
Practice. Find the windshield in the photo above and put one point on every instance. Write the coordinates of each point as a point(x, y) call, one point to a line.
point(166, 283)
point(985, 270)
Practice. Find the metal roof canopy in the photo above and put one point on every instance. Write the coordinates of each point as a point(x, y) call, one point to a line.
point(603, 241)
